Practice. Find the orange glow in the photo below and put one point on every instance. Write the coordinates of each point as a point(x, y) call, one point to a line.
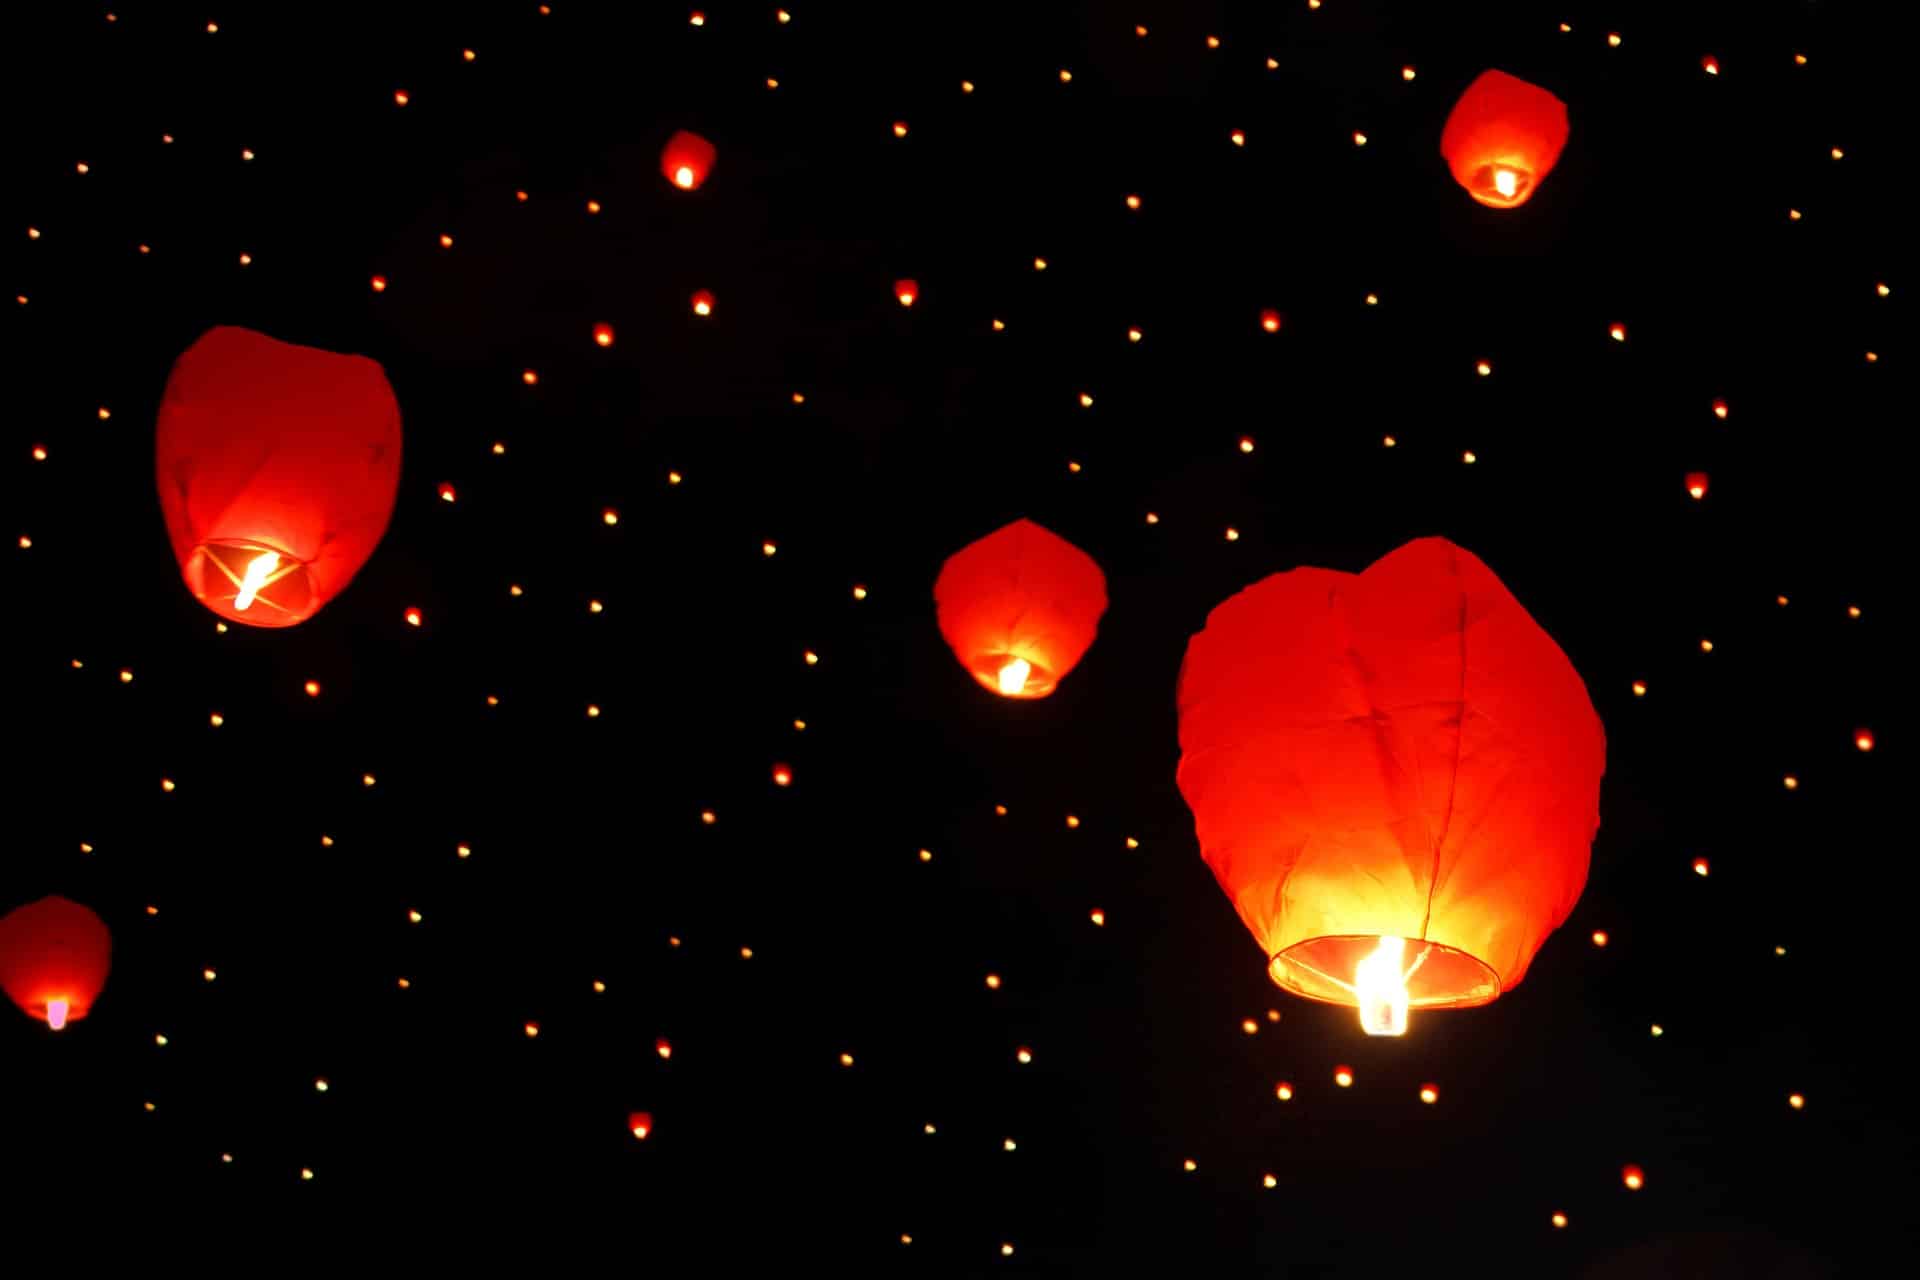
point(640, 1124)
point(1706, 646)
point(54, 959)
point(906, 291)
point(1380, 988)
point(1072, 821)
point(603, 335)
point(1639, 688)
point(1881, 290)
point(697, 18)
point(1599, 937)
point(530, 377)
point(1269, 1181)
point(782, 775)
point(1700, 867)
point(1790, 782)
point(702, 303)
point(810, 658)
point(1837, 153)
point(966, 86)
point(1617, 332)
point(1246, 444)
point(1613, 40)
point(1710, 65)
point(1343, 1076)
point(1213, 42)
point(1189, 1165)
point(1720, 409)
point(1796, 1101)
point(1697, 484)
point(1502, 138)
point(1429, 1093)
point(313, 688)
point(899, 128)
point(993, 982)
point(1133, 202)
point(1238, 138)
point(1359, 139)
point(926, 855)
point(707, 817)
point(1853, 611)
point(1559, 1220)
point(39, 453)
point(1469, 457)
point(447, 492)
point(1270, 320)
point(1134, 334)
point(413, 617)
point(1283, 1091)
point(1633, 1177)
point(846, 1059)
point(609, 516)
point(1407, 73)
point(1098, 916)
point(1249, 1025)
point(1066, 76)
point(1863, 739)
point(1233, 534)
point(1024, 1054)
point(769, 548)
point(686, 160)
point(532, 1029)
point(400, 98)
point(663, 1048)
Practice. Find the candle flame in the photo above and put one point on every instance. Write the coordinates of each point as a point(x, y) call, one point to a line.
point(683, 177)
point(56, 1014)
point(255, 578)
point(1380, 985)
point(1013, 676)
point(1505, 182)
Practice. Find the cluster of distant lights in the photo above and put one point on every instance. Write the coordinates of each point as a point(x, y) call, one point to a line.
point(702, 303)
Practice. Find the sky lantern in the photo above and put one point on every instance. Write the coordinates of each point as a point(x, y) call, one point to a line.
point(277, 467)
point(702, 303)
point(640, 1123)
point(1395, 777)
point(54, 957)
point(1502, 138)
point(1696, 484)
point(906, 291)
point(686, 160)
point(1020, 607)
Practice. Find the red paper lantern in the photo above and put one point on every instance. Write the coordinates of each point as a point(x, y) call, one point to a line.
point(906, 291)
point(1502, 138)
point(1395, 777)
point(686, 160)
point(640, 1123)
point(277, 467)
point(1696, 484)
point(54, 957)
point(1020, 607)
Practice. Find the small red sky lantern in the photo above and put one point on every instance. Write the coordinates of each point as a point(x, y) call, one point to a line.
point(1270, 320)
point(906, 291)
point(54, 957)
point(1020, 607)
point(686, 160)
point(1395, 777)
point(277, 467)
point(702, 303)
point(1502, 138)
point(640, 1123)
point(1696, 484)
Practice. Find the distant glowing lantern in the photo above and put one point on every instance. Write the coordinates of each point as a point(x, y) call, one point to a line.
point(1270, 320)
point(906, 291)
point(1502, 138)
point(640, 1123)
point(1019, 608)
point(603, 335)
point(702, 303)
point(1633, 1176)
point(277, 467)
point(1863, 739)
point(686, 160)
point(1394, 776)
point(1696, 484)
point(54, 958)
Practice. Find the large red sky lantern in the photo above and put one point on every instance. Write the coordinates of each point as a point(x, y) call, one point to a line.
point(686, 160)
point(1020, 607)
point(1502, 138)
point(54, 957)
point(1395, 777)
point(277, 467)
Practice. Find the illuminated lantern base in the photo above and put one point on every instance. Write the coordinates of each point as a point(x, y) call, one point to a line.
point(1012, 675)
point(251, 582)
point(1501, 184)
point(1435, 976)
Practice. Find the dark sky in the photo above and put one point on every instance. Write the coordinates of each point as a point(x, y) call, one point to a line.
point(920, 431)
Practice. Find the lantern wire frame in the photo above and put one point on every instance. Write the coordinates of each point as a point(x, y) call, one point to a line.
point(295, 598)
point(1440, 977)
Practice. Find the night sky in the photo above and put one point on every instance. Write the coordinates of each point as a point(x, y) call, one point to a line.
point(841, 1086)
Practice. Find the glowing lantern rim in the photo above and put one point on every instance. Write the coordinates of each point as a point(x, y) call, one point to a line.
point(1438, 976)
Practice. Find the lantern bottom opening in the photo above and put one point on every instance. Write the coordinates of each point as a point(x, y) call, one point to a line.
point(1437, 976)
point(275, 585)
point(1037, 680)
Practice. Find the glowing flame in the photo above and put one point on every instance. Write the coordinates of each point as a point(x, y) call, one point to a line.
point(1380, 985)
point(1013, 676)
point(683, 177)
point(56, 1014)
point(255, 578)
point(1505, 182)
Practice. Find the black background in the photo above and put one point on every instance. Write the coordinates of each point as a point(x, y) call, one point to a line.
point(921, 430)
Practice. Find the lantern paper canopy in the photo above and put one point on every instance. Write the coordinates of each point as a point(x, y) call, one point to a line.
point(1020, 607)
point(1395, 777)
point(277, 467)
point(1502, 138)
point(686, 160)
point(54, 957)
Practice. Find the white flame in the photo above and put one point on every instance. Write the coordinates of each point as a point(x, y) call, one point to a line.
point(683, 177)
point(56, 1014)
point(1013, 676)
point(255, 578)
point(1505, 181)
point(1380, 986)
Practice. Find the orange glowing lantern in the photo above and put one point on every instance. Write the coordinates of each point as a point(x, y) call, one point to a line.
point(640, 1123)
point(277, 467)
point(1395, 777)
point(906, 291)
point(702, 303)
point(1502, 138)
point(54, 957)
point(1020, 607)
point(686, 160)
point(1696, 484)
